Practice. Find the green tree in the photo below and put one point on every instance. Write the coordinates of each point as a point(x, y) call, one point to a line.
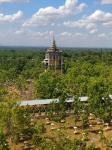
point(77, 108)
point(99, 97)
point(45, 85)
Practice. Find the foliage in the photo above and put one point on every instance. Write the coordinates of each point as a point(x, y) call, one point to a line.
point(106, 117)
point(3, 143)
point(85, 121)
point(77, 108)
point(37, 140)
point(41, 128)
point(91, 147)
point(46, 85)
point(79, 144)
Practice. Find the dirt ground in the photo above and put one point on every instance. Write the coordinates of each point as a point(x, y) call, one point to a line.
point(67, 126)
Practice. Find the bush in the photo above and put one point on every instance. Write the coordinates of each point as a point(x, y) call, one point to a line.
point(79, 144)
point(91, 147)
point(41, 128)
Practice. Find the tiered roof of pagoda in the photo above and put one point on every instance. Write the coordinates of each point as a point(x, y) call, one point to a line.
point(53, 48)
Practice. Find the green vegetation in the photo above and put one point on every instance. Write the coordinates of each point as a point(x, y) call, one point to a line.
point(83, 71)
point(86, 73)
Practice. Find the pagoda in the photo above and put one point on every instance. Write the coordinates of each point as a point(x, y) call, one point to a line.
point(53, 59)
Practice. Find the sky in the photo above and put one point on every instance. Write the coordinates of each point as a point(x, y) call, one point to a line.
point(73, 23)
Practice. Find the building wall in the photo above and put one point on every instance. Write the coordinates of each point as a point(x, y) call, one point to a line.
point(53, 61)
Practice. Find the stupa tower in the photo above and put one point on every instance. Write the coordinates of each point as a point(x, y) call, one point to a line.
point(53, 59)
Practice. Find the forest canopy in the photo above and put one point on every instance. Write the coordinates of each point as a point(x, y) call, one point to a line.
point(85, 71)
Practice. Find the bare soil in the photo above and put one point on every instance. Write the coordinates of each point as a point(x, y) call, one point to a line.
point(68, 128)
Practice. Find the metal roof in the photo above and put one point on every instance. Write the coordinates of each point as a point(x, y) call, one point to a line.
point(48, 101)
point(82, 99)
point(37, 102)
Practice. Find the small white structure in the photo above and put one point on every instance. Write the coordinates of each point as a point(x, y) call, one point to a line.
point(75, 128)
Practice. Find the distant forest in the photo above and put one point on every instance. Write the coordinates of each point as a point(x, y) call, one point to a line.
point(85, 72)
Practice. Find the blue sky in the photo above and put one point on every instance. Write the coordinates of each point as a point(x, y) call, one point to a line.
point(74, 23)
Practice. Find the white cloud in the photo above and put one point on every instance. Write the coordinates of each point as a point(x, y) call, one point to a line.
point(27, 32)
point(65, 35)
point(102, 35)
point(93, 31)
point(1, 1)
point(90, 26)
point(80, 35)
point(19, 32)
point(100, 16)
point(92, 21)
point(106, 1)
point(79, 23)
point(70, 36)
point(108, 23)
point(10, 18)
point(29, 37)
point(46, 15)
